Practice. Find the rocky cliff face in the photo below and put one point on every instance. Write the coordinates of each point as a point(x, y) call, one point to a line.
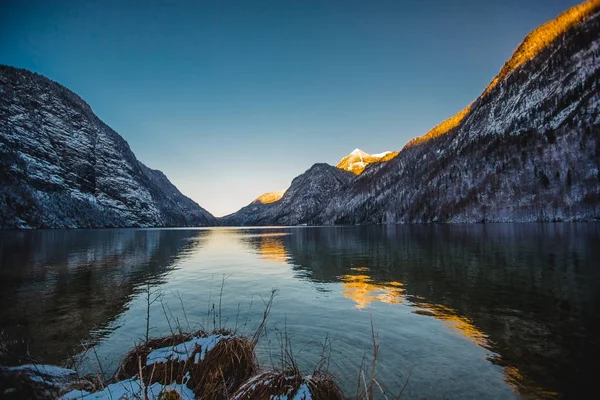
point(301, 203)
point(528, 149)
point(270, 197)
point(309, 193)
point(61, 166)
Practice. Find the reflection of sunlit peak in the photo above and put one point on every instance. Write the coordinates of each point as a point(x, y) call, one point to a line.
point(270, 197)
point(389, 297)
point(272, 249)
point(454, 321)
point(524, 386)
point(359, 269)
point(361, 290)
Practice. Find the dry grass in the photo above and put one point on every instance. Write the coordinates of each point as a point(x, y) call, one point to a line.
point(224, 369)
point(324, 386)
point(169, 395)
point(270, 384)
point(128, 368)
point(220, 373)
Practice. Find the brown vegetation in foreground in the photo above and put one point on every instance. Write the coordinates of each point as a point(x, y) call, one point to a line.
point(215, 376)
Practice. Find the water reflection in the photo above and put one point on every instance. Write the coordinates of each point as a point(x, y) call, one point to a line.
point(529, 293)
point(454, 321)
point(362, 290)
point(525, 296)
point(269, 245)
point(61, 288)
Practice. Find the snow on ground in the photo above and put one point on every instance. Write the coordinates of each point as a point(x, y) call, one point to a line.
point(130, 389)
point(183, 351)
point(303, 393)
point(48, 370)
point(49, 378)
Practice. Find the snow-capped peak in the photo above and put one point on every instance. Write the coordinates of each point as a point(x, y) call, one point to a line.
point(381, 155)
point(357, 161)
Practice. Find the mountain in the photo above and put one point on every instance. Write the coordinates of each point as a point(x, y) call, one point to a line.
point(62, 167)
point(357, 161)
point(308, 193)
point(301, 202)
point(270, 197)
point(527, 149)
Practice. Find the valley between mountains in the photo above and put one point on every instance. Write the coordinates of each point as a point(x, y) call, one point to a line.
point(527, 149)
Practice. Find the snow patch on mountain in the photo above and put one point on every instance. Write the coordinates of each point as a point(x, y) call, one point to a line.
point(358, 160)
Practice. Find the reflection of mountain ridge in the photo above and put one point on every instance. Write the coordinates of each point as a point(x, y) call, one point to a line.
point(267, 245)
point(360, 288)
point(543, 293)
point(59, 288)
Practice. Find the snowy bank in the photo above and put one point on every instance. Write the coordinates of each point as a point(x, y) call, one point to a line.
point(182, 366)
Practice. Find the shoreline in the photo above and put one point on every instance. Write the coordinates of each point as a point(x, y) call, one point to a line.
point(181, 366)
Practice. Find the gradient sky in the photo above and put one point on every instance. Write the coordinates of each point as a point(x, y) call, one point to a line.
point(231, 99)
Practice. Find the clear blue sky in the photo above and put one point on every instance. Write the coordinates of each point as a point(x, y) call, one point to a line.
point(231, 99)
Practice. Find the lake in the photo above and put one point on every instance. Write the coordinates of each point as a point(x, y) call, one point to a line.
point(460, 311)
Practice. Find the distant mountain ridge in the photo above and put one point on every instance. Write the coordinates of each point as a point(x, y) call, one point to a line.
point(303, 200)
point(270, 197)
point(527, 149)
point(62, 167)
point(534, 43)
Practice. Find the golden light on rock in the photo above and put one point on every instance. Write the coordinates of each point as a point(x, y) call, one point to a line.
point(440, 129)
point(532, 45)
point(358, 160)
point(542, 37)
point(270, 197)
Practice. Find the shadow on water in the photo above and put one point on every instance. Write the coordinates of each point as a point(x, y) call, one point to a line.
point(61, 288)
point(530, 293)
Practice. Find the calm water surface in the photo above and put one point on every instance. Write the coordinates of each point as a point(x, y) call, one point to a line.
point(468, 311)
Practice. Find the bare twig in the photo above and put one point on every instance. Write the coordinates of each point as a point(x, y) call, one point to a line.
point(405, 384)
point(374, 337)
point(178, 296)
point(209, 301)
point(266, 312)
point(167, 317)
point(149, 302)
point(142, 384)
point(220, 300)
point(324, 359)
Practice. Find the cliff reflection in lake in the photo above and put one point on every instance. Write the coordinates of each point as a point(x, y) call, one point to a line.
point(269, 246)
point(61, 288)
point(528, 292)
point(469, 311)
